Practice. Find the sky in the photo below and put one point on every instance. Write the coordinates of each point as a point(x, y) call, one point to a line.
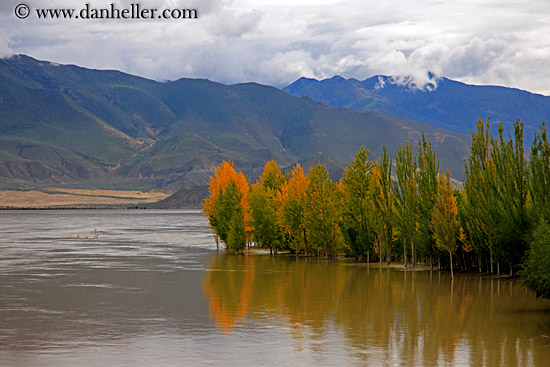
point(275, 42)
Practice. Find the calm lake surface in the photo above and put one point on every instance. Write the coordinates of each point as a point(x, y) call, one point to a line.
point(153, 291)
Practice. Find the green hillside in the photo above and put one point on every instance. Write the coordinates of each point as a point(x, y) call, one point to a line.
point(66, 125)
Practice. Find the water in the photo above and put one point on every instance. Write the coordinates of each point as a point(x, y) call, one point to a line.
point(153, 291)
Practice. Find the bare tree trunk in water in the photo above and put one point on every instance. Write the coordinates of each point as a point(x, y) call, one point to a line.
point(305, 243)
point(413, 252)
point(511, 270)
point(479, 261)
point(451, 259)
point(463, 263)
point(491, 259)
point(498, 267)
point(388, 250)
point(405, 253)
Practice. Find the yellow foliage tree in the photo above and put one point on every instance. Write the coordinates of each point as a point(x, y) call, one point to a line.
point(445, 224)
point(290, 214)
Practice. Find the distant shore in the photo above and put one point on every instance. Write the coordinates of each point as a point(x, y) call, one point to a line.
point(58, 198)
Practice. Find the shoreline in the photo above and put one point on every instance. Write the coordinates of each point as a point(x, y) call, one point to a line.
point(348, 261)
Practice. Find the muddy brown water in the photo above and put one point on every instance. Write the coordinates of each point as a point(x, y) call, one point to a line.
point(152, 290)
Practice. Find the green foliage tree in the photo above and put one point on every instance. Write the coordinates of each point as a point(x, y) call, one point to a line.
point(272, 177)
point(536, 274)
point(510, 190)
point(383, 203)
point(266, 231)
point(405, 198)
point(539, 164)
point(263, 205)
point(357, 205)
point(427, 179)
point(478, 210)
point(225, 207)
point(322, 215)
point(236, 237)
point(495, 197)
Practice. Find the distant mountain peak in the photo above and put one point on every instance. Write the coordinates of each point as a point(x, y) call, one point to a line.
point(432, 99)
point(426, 82)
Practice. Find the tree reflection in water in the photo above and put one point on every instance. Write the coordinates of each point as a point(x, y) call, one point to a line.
point(384, 314)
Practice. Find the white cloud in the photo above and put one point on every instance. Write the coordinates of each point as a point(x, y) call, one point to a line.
point(277, 41)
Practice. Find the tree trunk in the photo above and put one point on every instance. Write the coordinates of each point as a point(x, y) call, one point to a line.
point(511, 270)
point(491, 259)
point(305, 243)
point(413, 253)
point(388, 250)
point(479, 261)
point(451, 259)
point(405, 253)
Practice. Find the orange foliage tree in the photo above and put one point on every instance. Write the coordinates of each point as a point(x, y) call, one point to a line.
point(228, 191)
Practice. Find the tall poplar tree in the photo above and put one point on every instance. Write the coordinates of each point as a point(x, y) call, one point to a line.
point(357, 205)
point(263, 204)
point(539, 164)
point(536, 273)
point(510, 196)
point(477, 199)
point(291, 209)
point(322, 214)
point(427, 179)
point(445, 225)
point(383, 203)
point(406, 198)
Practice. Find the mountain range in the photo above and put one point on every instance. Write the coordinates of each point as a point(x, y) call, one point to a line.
point(64, 125)
point(442, 102)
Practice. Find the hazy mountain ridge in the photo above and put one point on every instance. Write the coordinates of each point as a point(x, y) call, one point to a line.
point(447, 103)
point(66, 125)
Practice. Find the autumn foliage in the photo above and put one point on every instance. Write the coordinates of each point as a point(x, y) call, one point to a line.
point(400, 209)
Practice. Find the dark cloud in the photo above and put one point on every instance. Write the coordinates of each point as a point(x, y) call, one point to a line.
point(279, 41)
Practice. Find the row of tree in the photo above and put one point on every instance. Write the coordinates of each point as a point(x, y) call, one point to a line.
point(403, 209)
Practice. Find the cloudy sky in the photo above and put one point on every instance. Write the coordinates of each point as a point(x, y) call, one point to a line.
point(275, 42)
